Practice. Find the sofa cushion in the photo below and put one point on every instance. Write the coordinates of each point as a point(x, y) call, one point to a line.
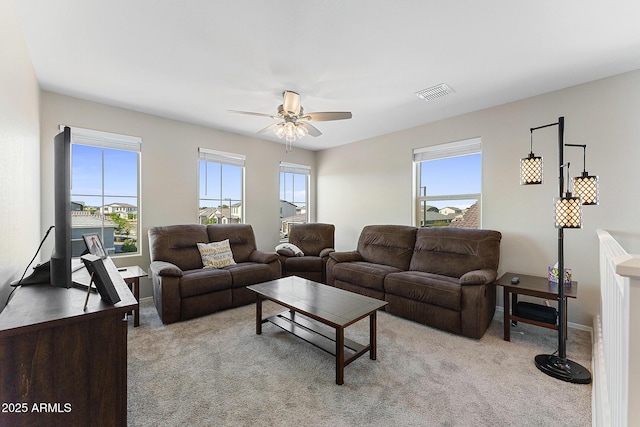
point(390, 245)
point(452, 252)
point(203, 281)
point(304, 263)
point(362, 273)
point(249, 273)
point(216, 254)
point(312, 238)
point(428, 288)
point(177, 244)
point(241, 239)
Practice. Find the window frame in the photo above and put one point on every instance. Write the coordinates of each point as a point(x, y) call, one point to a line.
point(294, 169)
point(448, 150)
point(228, 159)
point(110, 141)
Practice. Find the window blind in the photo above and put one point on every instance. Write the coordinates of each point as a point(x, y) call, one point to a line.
point(450, 149)
point(294, 168)
point(221, 157)
point(102, 139)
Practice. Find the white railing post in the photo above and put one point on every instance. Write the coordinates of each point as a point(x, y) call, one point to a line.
point(617, 345)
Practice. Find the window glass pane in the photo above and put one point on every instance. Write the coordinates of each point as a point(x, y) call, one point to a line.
point(104, 198)
point(210, 180)
point(231, 182)
point(454, 175)
point(220, 193)
point(120, 173)
point(86, 170)
point(293, 201)
point(449, 191)
point(445, 213)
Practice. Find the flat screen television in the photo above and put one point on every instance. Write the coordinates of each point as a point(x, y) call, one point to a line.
point(60, 266)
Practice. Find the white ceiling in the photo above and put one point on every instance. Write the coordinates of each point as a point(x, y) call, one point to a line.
point(194, 60)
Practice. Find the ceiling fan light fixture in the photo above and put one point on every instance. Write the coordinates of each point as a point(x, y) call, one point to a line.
point(434, 92)
point(301, 131)
point(279, 130)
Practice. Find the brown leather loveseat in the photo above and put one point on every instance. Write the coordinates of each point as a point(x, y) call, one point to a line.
point(183, 289)
point(442, 277)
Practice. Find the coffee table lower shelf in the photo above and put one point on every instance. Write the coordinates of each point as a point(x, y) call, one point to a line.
point(317, 334)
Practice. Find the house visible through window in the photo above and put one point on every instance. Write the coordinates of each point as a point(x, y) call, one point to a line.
point(448, 187)
point(294, 196)
point(220, 187)
point(105, 190)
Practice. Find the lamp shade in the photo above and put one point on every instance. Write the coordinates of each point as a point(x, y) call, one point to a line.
point(531, 170)
point(587, 188)
point(568, 211)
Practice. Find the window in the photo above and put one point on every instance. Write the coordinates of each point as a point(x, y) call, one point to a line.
point(220, 187)
point(105, 190)
point(449, 184)
point(294, 196)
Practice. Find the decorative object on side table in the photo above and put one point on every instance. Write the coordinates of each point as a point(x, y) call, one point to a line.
point(568, 214)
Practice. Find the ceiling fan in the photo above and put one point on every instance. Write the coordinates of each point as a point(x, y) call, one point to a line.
point(294, 121)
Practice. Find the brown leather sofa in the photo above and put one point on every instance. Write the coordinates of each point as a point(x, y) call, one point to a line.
point(441, 277)
point(183, 289)
point(316, 241)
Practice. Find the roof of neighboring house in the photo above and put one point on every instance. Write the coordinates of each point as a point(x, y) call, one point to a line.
point(295, 218)
point(124, 205)
point(469, 219)
point(85, 219)
point(216, 212)
point(434, 216)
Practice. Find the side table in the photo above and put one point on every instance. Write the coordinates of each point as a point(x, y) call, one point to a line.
point(131, 276)
point(534, 286)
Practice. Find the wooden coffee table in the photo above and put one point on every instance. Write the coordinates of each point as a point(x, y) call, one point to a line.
point(319, 315)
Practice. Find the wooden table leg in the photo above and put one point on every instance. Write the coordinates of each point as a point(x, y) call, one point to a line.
point(339, 356)
point(507, 317)
point(372, 336)
point(136, 294)
point(258, 315)
point(134, 285)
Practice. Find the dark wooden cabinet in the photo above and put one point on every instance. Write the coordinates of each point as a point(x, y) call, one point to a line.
point(60, 364)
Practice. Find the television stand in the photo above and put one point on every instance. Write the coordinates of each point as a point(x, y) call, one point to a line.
point(71, 364)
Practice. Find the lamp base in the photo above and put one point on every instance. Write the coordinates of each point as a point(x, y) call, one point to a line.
point(563, 369)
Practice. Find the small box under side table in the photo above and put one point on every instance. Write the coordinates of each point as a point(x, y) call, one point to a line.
point(534, 286)
point(131, 276)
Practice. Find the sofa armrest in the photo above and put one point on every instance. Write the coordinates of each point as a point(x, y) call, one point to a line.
point(346, 256)
point(326, 252)
point(163, 268)
point(263, 257)
point(478, 277)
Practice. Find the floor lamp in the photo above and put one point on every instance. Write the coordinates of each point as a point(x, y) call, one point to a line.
point(568, 214)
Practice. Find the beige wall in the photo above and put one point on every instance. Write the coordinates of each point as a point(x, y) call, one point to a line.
point(602, 114)
point(19, 144)
point(169, 167)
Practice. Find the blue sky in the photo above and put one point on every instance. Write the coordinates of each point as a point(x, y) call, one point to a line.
point(120, 175)
point(454, 175)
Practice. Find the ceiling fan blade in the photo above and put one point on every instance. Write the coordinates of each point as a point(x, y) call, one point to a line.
point(313, 131)
point(327, 116)
point(268, 128)
point(291, 102)
point(249, 113)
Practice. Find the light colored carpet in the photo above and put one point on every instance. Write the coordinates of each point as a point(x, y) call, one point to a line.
point(215, 371)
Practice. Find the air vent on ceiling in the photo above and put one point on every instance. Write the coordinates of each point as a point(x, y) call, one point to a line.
point(437, 91)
